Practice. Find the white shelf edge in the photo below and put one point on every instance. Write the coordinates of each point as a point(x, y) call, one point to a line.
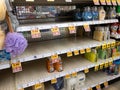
point(4, 65)
point(48, 26)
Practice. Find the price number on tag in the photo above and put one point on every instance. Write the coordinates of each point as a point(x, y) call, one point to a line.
point(35, 33)
point(16, 67)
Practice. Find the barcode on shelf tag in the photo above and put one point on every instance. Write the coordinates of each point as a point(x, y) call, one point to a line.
point(96, 68)
point(101, 66)
point(106, 64)
point(87, 28)
point(50, 0)
point(38, 86)
point(108, 45)
point(16, 66)
point(53, 81)
point(76, 52)
point(104, 46)
point(118, 1)
point(86, 70)
point(67, 76)
point(69, 54)
point(103, 2)
point(106, 84)
point(74, 74)
point(96, 2)
point(88, 50)
point(114, 2)
point(72, 29)
point(55, 31)
point(29, 0)
point(108, 2)
point(68, 0)
point(82, 51)
point(53, 57)
point(98, 87)
point(35, 33)
point(90, 89)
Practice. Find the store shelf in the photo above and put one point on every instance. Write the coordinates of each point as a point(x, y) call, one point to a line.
point(23, 28)
point(4, 65)
point(61, 46)
point(38, 72)
point(7, 81)
point(92, 80)
point(115, 36)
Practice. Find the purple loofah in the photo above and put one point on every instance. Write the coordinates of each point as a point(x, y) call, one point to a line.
point(15, 43)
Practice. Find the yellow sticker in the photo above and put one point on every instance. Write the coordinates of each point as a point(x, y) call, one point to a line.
point(50, 0)
point(72, 29)
point(106, 64)
point(38, 86)
point(55, 31)
point(53, 81)
point(104, 46)
point(87, 28)
point(98, 87)
point(76, 52)
point(74, 74)
point(54, 57)
point(96, 2)
point(114, 2)
point(108, 45)
point(96, 68)
point(101, 66)
point(88, 50)
point(90, 89)
point(108, 2)
point(82, 51)
point(110, 62)
point(106, 84)
point(86, 70)
point(16, 67)
point(35, 33)
point(67, 76)
point(29, 0)
point(103, 2)
point(113, 44)
point(69, 54)
point(118, 1)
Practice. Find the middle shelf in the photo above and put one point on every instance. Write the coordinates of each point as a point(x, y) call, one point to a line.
point(61, 46)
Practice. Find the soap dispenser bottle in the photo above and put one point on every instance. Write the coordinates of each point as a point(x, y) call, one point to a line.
point(102, 13)
point(77, 15)
point(95, 13)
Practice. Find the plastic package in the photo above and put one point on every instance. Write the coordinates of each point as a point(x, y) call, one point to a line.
point(102, 13)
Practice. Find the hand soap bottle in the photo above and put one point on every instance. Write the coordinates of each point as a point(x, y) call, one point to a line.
point(102, 13)
point(95, 13)
point(77, 15)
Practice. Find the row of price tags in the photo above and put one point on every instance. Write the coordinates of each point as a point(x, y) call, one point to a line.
point(103, 65)
point(105, 46)
point(77, 52)
point(98, 87)
point(107, 2)
point(56, 32)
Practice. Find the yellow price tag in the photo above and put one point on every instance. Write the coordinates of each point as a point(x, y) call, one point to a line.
point(35, 33)
point(88, 50)
point(86, 70)
point(108, 45)
point(113, 44)
point(82, 51)
point(69, 54)
point(96, 68)
point(50, 0)
point(106, 64)
point(74, 74)
point(96, 2)
point(87, 28)
point(72, 29)
point(114, 2)
point(98, 87)
point(55, 31)
point(118, 1)
point(67, 76)
point(104, 46)
point(76, 52)
point(101, 66)
point(21, 89)
point(38, 86)
point(106, 84)
point(90, 89)
point(54, 57)
point(53, 81)
point(103, 2)
point(110, 62)
point(108, 2)
point(16, 67)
